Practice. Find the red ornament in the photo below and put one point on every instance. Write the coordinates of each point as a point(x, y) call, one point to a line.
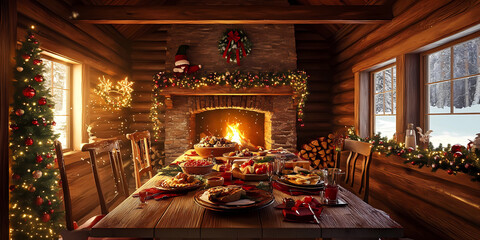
point(28, 141)
point(14, 127)
point(31, 36)
point(46, 217)
point(35, 122)
point(49, 202)
point(19, 112)
point(38, 78)
point(26, 57)
point(410, 149)
point(51, 211)
point(42, 101)
point(38, 201)
point(450, 171)
point(37, 61)
point(457, 154)
point(29, 92)
point(412, 162)
point(39, 158)
point(36, 42)
point(457, 148)
point(49, 155)
point(468, 165)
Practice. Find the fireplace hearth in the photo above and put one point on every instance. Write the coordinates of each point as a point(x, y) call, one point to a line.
point(276, 111)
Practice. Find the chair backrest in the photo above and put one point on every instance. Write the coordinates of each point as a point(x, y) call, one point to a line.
point(357, 150)
point(141, 155)
point(112, 147)
point(67, 200)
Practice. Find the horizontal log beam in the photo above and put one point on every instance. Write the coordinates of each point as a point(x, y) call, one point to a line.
point(373, 14)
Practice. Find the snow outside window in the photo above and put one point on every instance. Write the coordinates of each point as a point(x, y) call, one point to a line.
point(384, 101)
point(453, 93)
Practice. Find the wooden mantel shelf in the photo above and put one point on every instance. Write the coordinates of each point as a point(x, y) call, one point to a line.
point(227, 90)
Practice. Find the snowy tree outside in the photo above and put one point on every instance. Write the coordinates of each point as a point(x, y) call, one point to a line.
point(385, 85)
point(57, 76)
point(453, 92)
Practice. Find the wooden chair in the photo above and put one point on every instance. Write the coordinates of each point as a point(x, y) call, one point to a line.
point(112, 147)
point(356, 150)
point(141, 155)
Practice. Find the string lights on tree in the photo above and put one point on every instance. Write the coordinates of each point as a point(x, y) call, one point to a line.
point(35, 207)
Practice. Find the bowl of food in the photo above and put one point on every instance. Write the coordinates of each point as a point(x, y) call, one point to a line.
point(214, 146)
point(197, 167)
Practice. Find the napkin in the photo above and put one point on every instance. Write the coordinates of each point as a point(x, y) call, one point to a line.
point(294, 191)
point(158, 194)
point(302, 214)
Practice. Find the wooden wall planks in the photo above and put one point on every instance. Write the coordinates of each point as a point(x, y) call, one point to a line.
point(313, 56)
point(416, 24)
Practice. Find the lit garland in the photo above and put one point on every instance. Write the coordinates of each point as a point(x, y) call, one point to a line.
point(454, 159)
point(122, 91)
point(237, 80)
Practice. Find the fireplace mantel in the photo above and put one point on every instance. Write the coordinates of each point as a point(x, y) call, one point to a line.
point(217, 90)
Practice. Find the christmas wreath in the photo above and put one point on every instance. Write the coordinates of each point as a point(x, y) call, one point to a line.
point(234, 45)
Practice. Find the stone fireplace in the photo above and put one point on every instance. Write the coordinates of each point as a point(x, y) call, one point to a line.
point(277, 105)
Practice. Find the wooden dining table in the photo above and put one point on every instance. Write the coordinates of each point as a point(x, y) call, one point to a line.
point(180, 217)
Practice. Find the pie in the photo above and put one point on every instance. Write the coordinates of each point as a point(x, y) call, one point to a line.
point(181, 180)
point(225, 194)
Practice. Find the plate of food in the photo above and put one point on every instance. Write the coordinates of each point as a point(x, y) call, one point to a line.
point(197, 166)
point(181, 182)
point(233, 198)
point(302, 178)
point(244, 153)
point(252, 169)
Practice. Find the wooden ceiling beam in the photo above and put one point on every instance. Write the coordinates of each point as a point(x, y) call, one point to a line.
point(232, 15)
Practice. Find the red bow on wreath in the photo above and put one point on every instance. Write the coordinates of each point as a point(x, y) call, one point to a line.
point(234, 36)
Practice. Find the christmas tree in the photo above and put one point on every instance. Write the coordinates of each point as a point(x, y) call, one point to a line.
point(35, 205)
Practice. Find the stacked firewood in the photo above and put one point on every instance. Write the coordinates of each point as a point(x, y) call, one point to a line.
point(319, 152)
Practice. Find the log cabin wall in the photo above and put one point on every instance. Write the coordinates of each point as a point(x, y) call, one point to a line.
point(101, 51)
point(314, 57)
point(429, 205)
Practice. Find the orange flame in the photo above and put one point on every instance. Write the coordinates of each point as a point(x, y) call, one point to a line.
point(234, 134)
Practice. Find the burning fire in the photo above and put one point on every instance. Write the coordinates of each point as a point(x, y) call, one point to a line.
point(234, 134)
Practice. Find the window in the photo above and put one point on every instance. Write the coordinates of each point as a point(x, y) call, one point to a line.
point(58, 76)
point(452, 88)
point(384, 84)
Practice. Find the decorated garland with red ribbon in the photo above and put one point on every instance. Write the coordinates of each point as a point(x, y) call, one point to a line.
point(234, 45)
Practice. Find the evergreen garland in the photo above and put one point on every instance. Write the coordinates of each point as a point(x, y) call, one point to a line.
point(35, 206)
point(453, 159)
point(237, 80)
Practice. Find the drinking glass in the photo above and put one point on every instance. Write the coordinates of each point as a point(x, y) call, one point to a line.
point(142, 196)
point(279, 165)
point(330, 176)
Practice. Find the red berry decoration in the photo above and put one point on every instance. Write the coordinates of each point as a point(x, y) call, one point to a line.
point(38, 201)
point(37, 61)
point(29, 92)
point(19, 112)
point(42, 101)
point(35, 122)
point(28, 141)
point(412, 162)
point(26, 57)
point(456, 148)
point(457, 154)
point(54, 123)
point(39, 159)
point(450, 171)
point(46, 217)
point(49, 202)
point(38, 78)
point(51, 211)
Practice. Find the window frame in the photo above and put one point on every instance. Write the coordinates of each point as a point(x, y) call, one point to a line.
point(424, 78)
point(69, 97)
point(372, 94)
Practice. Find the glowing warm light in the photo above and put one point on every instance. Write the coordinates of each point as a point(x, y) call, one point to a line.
point(234, 134)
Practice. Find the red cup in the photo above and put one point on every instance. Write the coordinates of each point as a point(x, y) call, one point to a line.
point(331, 193)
